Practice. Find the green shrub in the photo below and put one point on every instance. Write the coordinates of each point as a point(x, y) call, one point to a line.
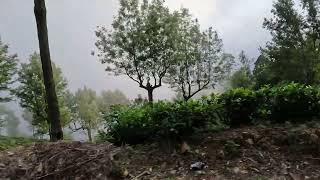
point(181, 119)
point(162, 120)
point(135, 124)
point(294, 102)
point(240, 105)
point(127, 124)
point(264, 104)
point(290, 102)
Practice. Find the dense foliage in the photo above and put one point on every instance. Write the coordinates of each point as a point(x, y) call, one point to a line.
point(288, 102)
point(293, 53)
point(239, 105)
point(295, 102)
point(8, 68)
point(141, 44)
point(177, 120)
point(165, 120)
point(242, 77)
point(85, 110)
point(31, 94)
point(151, 44)
point(200, 61)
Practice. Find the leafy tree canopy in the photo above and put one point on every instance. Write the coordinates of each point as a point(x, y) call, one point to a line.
point(294, 52)
point(85, 110)
point(200, 62)
point(8, 67)
point(141, 43)
point(31, 93)
point(110, 98)
point(242, 77)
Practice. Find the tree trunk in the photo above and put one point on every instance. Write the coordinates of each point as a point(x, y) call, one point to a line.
point(186, 98)
point(55, 129)
point(89, 134)
point(150, 95)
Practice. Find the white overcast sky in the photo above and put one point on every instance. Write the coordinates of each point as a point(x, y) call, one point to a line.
point(72, 23)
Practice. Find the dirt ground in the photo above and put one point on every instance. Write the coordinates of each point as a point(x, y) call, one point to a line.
point(255, 153)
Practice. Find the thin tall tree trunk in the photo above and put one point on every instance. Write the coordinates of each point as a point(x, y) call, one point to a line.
point(55, 129)
point(89, 134)
point(150, 95)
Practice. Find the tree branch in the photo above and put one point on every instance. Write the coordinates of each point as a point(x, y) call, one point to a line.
point(200, 89)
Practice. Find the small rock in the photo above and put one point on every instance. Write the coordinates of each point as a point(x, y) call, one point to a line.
point(197, 151)
point(10, 153)
point(40, 167)
point(125, 173)
point(236, 170)
point(163, 165)
point(173, 172)
point(200, 172)
point(180, 163)
point(185, 148)
point(244, 172)
point(221, 154)
point(197, 166)
point(284, 171)
point(249, 141)
point(2, 165)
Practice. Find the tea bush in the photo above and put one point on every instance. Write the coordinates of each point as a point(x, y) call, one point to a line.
point(294, 102)
point(290, 102)
point(135, 124)
point(127, 124)
point(240, 105)
point(162, 120)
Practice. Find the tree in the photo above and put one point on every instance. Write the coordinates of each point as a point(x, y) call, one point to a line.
point(243, 76)
point(2, 119)
point(263, 74)
point(85, 110)
point(110, 98)
point(8, 64)
point(9, 120)
point(31, 93)
point(141, 44)
point(54, 121)
point(294, 52)
point(139, 100)
point(200, 61)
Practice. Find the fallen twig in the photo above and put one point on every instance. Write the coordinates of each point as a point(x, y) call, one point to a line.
point(140, 175)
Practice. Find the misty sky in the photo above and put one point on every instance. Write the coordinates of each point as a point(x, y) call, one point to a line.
point(71, 25)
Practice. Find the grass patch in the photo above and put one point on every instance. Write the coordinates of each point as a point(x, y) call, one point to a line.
point(12, 142)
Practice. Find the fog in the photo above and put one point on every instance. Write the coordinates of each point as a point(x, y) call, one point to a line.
point(72, 23)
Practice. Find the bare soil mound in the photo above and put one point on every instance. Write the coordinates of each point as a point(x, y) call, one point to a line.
point(244, 153)
point(59, 160)
point(255, 153)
